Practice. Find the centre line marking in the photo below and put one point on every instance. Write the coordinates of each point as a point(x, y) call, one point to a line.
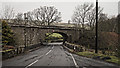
point(31, 63)
point(40, 56)
point(48, 52)
point(52, 47)
point(74, 61)
point(37, 60)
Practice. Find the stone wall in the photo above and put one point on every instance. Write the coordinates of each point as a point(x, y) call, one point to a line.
point(35, 34)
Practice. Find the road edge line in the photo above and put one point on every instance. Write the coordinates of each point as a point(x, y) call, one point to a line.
point(76, 65)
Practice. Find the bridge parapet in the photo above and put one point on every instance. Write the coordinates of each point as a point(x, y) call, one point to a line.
point(37, 33)
point(47, 27)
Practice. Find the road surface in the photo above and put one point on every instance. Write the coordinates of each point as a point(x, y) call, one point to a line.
point(53, 56)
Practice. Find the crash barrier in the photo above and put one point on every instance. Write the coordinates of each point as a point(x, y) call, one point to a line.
point(77, 48)
point(16, 51)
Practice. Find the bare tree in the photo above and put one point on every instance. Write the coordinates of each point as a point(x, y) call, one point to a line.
point(86, 13)
point(47, 15)
point(30, 16)
point(19, 17)
point(80, 13)
point(7, 12)
point(102, 17)
point(91, 17)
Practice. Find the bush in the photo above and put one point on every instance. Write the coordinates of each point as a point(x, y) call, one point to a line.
point(87, 39)
point(108, 41)
point(7, 34)
point(53, 36)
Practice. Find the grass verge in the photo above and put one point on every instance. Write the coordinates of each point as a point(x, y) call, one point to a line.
point(88, 54)
point(113, 59)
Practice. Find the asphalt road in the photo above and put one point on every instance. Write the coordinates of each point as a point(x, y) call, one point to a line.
point(53, 56)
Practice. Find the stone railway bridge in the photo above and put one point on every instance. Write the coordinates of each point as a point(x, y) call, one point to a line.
point(34, 35)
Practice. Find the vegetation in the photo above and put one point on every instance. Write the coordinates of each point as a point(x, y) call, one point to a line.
point(7, 35)
point(44, 15)
point(87, 39)
point(118, 47)
point(108, 35)
point(113, 59)
point(108, 24)
point(85, 13)
point(108, 41)
point(93, 55)
point(53, 37)
point(7, 12)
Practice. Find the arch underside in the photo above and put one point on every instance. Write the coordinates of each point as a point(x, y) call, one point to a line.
point(65, 36)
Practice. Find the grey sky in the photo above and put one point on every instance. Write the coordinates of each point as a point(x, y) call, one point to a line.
point(66, 8)
point(110, 8)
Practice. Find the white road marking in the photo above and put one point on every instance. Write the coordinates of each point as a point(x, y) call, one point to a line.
point(61, 47)
point(39, 57)
point(31, 63)
point(48, 52)
point(74, 61)
point(52, 47)
point(84, 67)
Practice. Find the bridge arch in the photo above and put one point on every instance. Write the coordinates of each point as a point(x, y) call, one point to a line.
point(65, 36)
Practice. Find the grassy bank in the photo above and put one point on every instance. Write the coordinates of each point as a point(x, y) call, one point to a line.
point(113, 59)
point(88, 54)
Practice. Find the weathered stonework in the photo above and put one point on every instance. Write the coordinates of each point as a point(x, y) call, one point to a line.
point(36, 34)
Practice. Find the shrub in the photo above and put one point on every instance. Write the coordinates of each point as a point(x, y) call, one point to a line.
point(7, 34)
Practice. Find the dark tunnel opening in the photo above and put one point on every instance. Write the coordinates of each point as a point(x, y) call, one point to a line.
point(65, 36)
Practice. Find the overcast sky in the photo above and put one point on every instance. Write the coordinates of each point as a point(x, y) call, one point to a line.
point(64, 6)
